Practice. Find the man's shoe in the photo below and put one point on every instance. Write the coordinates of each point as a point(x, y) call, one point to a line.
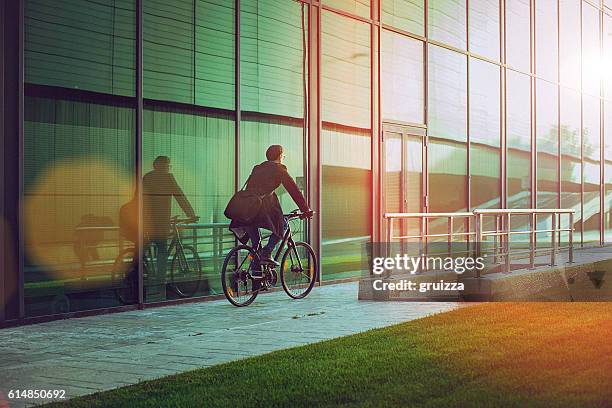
point(265, 257)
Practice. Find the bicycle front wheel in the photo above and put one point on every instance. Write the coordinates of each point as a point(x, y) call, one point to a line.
point(298, 270)
point(238, 284)
point(186, 271)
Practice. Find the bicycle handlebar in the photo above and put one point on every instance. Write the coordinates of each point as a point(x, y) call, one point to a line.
point(176, 220)
point(299, 214)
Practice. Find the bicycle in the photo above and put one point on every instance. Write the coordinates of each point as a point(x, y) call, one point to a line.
point(185, 270)
point(298, 269)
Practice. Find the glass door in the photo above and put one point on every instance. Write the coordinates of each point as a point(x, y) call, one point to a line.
point(404, 181)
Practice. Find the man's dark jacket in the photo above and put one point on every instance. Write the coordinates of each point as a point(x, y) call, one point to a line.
point(264, 179)
point(158, 189)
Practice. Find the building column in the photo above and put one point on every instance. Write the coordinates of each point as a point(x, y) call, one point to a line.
point(11, 288)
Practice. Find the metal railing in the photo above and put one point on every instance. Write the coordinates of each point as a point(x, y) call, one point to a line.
point(476, 232)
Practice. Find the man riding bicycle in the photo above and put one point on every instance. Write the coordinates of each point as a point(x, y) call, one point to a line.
point(264, 179)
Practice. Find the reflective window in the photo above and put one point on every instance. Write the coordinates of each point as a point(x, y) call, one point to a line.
point(187, 63)
point(402, 78)
point(447, 93)
point(345, 144)
point(484, 28)
point(90, 48)
point(607, 56)
point(200, 148)
point(591, 152)
point(168, 49)
point(569, 43)
point(518, 139)
point(78, 172)
point(608, 170)
point(273, 56)
point(591, 59)
point(546, 39)
point(518, 28)
point(546, 144)
point(447, 175)
point(446, 22)
point(571, 168)
point(407, 15)
point(484, 134)
point(214, 53)
point(357, 7)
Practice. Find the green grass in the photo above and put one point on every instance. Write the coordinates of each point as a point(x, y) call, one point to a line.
point(497, 354)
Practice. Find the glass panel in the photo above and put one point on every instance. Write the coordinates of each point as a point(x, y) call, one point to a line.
point(608, 170)
point(447, 22)
point(346, 144)
point(591, 57)
point(78, 171)
point(591, 151)
point(407, 15)
point(485, 134)
point(402, 78)
point(214, 57)
point(357, 7)
point(484, 28)
point(571, 169)
point(547, 144)
point(200, 147)
point(607, 56)
point(546, 39)
point(274, 60)
point(569, 43)
point(90, 48)
point(447, 92)
point(518, 28)
point(168, 50)
point(447, 175)
point(518, 139)
point(393, 172)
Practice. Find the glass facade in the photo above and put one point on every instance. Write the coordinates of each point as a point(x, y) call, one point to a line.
point(496, 108)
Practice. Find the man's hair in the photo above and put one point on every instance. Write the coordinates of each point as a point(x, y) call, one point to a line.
point(274, 152)
point(161, 161)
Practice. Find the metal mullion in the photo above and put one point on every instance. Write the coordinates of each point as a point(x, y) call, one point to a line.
point(601, 136)
point(502, 111)
point(139, 142)
point(375, 114)
point(3, 227)
point(534, 163)
point(20, 159)
point(559, 190)
point(347, 14)
point(581, 137)
point(467, 107)
point(237, 111)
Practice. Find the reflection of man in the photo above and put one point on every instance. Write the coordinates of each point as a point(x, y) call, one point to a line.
point(159, 186)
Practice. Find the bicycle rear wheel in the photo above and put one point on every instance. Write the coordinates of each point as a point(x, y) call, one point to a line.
point(298, 270)
point(124, 276)
point(236, 279)
point(186, 271)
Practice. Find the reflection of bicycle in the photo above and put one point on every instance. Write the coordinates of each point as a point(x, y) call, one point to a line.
point(183, 276)
point(298, 270)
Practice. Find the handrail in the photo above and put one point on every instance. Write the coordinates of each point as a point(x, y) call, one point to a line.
point(502, 233)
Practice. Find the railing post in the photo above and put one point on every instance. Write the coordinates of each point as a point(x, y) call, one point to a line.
point(389, 235)
point(506, 241)
point(553, 240)
point(532, 221)
point(450, 235)
point(571, 238)
point(478, 230)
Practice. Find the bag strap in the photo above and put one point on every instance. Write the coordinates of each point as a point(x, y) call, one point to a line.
point(246, 182)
